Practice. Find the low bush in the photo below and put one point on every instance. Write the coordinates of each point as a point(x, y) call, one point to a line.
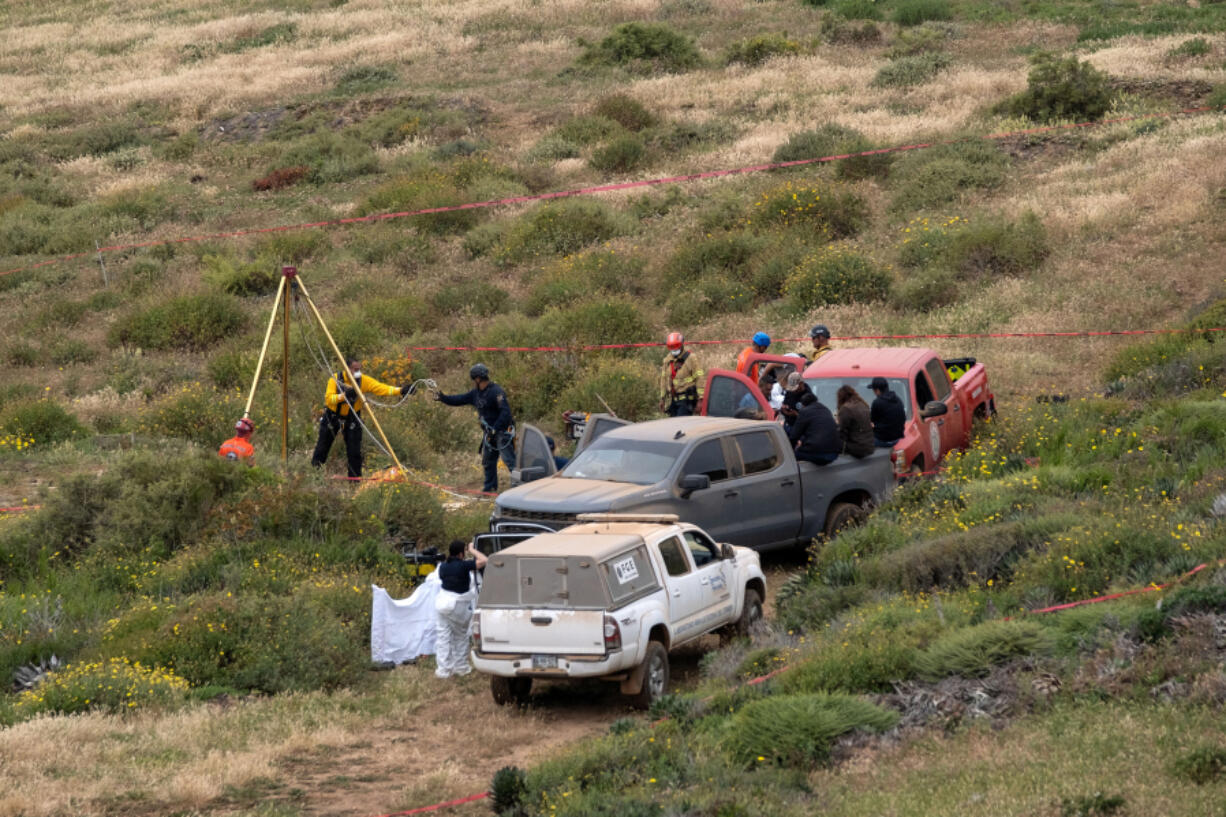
point(681, 136)
point(830, 208)
point(576, 277)
point(857, 9)
point(474, 297)
point(561, 228)
point(944, 173)
point(116, 685)
point(919, 40)
point(406, 512)
point(629, 388)
point(362, 79)
point(825, 140)
point(721, 254)
point(798, 730)
point(906, 72)
point(621, 155)
point(612, 320)
point(835, 275)
point(1061, 89)
point(754, 51)
point(853, 667)
point(45, 422)
point(280, 178)
point(69, 352)
point(915, 12)
point(230, 277)
point(625, 111)
point(193, 322)
point(22, 353)
point(421, 190)
point(356, 336)
point(996, 246)
point(973, 651)
point(330, 157)
point(1195, 47)
point(1203, 765)
point(406, 314)
point(643, 48)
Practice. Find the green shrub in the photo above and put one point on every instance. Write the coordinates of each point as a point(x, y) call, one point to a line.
point(405, 314)
point(721, 254)
point(943, 173)
point(798, 730)
point(587, 130)
point(405, 250)
point(1217, 99)
point(68, 352)
point(830, 208)
point(1061, 89)
point(226, 276)
point(46, 421)
point(973, 651)
point(473, 297)
point(559, 227)
point(355, 336)
point(623, 154)
point(116, 685)
point(629, 388)
point(826, 140)
point(996, 247)
point(754, 51)
point(362, 79)
point(835, 275)
point(330, 157)
point(914, 12)
point(812, 605)
point(1097, 804)
point(192, 322)
point(644, 47)
point(422, 190)
point(105, 135)
point(919, 40)
point(1195, 47)
point(232, 368)
point(407, 512)
point(573, 278)
point(857, 9)
point(1203, 765)
point(681, 136)
point(905, 72)
point(625, 111)
point(853, 668)
point(612, 320)
point(22, 353)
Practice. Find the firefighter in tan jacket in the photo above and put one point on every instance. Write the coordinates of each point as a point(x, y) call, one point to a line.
point(681, 379)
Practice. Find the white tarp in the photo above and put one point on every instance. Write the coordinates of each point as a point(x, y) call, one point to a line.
point(402, 629)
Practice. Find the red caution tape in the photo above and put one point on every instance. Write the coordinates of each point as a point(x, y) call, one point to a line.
point(586, 191)
point(20, 509)
point(941, 336)
point(472, 798)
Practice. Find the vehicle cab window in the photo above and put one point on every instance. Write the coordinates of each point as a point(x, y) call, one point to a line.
point(758, 452)
point(702, 549)
point(708, 460)
point(673, 557)
point(940, 378)
point(923, 392)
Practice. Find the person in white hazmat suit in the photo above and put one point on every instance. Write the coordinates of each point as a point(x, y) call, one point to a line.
point(454, 605)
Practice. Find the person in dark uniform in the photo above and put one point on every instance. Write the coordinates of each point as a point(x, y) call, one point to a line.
point(497, 425)
point(815, 433)
point(887, 414)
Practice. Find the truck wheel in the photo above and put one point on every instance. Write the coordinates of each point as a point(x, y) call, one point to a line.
point(842, 515)
point(510, 690)
point(751, 615)
point(655, 676)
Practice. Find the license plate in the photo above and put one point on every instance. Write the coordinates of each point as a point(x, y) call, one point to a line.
point(544, 662)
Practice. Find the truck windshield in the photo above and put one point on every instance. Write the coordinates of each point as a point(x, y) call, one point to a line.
point(826, 388)
point(642, 462)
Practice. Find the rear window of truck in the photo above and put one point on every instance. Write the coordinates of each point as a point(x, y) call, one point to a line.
point(628, 575)
point(827, 388)
point(572, 582)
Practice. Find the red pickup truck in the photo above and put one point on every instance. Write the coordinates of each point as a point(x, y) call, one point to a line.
point(942, 398)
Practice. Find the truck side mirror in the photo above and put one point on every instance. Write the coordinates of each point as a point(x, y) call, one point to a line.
point(726, 552)
point(694, 482)
point(934, 408)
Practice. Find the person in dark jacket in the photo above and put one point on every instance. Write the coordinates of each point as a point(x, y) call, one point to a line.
point(796, 389)
point(855, 427)
point(887, 414)
point(815, 434)
point(497, 425)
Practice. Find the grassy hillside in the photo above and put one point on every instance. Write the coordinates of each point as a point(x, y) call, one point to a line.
point(152, 569)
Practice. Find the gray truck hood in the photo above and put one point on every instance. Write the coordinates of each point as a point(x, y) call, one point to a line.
point(572, 495)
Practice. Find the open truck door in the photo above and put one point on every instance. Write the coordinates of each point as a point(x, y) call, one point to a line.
point(596, 425)
point(533, 459)
point(732, 394)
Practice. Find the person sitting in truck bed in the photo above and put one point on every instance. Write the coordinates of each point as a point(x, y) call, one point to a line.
point(815, 434)
point(887, 414)
point(855, 427)
point(793, 392)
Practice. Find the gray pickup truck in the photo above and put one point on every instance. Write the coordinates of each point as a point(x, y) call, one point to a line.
point(737, 479)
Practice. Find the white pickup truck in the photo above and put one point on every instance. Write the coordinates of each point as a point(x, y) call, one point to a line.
point(609, 598)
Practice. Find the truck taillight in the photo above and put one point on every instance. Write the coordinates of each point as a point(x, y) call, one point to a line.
point(612, 634)
point(476, 631)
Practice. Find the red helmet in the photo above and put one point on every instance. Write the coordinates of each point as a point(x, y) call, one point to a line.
point(244, 426)
point(675, 339)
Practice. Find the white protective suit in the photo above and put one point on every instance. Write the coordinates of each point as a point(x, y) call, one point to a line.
point(455, 616)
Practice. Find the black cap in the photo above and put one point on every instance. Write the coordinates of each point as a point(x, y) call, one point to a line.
point(819, 330)
point(879, 384)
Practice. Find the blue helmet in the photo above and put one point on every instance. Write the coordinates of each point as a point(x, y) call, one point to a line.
point(761, 339)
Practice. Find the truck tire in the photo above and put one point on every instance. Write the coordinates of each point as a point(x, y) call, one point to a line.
point(751, 615)
point(842, 515)
point(510, 690)
point(655, 676)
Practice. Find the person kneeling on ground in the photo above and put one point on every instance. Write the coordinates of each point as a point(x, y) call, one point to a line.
point(239, 448)
point(887, 414)
point(855, 428)
point(454, 606)
point(815, 434)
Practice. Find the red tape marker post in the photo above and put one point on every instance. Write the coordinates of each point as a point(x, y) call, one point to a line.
point(587, 191)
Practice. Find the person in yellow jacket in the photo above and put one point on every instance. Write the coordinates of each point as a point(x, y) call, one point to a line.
point(342, 407)
point(681, 380)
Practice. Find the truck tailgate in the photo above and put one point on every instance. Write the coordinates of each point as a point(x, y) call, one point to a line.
point(562, 632)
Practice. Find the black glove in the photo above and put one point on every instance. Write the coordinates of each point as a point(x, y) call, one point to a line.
point(408, 388)
point(351, 394)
